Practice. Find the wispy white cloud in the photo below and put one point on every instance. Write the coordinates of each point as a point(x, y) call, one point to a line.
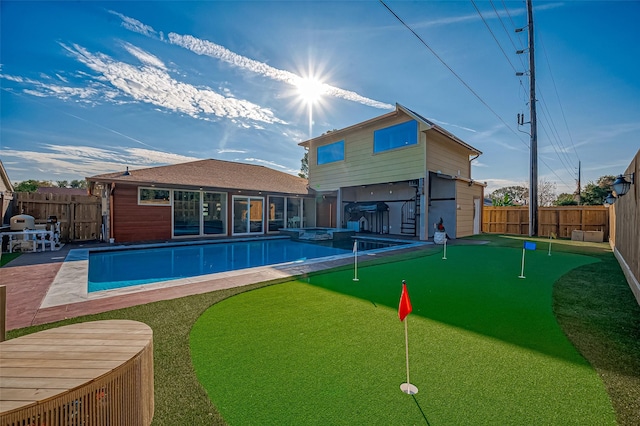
point(74, 160)
point(231, 151)
point(118, 82)
point(270, 164)
point(493, 184)
point(151, 84)
point(444, 123)
point(213, 50)
point(135, 25)
point(472, 17)
point(144, 57)
point(64, 92)
point(159, 157)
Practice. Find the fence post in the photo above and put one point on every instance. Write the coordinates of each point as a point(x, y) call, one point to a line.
point(3, 312)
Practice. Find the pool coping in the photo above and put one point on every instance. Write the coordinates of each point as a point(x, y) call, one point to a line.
point(70, 284)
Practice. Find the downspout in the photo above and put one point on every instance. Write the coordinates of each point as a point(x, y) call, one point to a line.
point(110, 231)
point(471, 161)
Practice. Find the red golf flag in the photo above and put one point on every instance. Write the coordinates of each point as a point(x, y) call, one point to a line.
point(405, 304)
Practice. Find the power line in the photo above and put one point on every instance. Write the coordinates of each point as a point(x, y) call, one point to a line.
point(465, 84)
point(453, 72)
point(566, 167)
point(507, 31)
point(493, 35)
point(558, 97)
point(554, 132)
point(513, 24)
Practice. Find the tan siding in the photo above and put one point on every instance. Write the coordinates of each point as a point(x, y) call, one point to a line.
point(464, 214)
point(446, 156)
point(361, 166)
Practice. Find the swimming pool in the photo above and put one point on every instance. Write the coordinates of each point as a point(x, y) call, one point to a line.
point(113, 269)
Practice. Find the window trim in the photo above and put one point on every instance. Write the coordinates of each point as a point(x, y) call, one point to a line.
point(413, 142)
point(141, 202)
point(322, 147)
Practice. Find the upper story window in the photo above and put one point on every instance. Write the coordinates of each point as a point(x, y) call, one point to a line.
point(330, 153)
point(397, 136)
point(154, 197)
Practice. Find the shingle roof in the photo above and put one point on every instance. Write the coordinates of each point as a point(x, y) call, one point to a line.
point(212, 174)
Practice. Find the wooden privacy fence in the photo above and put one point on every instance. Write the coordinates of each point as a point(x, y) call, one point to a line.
point(625, 228)
point(561, 220)
point(80, 216)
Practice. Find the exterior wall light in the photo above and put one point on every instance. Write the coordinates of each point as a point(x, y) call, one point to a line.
point(621, 185)
point(609, 199)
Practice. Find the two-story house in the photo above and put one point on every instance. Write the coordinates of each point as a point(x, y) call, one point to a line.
point(398, 173)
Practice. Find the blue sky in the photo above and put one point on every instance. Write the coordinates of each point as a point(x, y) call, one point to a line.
point(95, 87)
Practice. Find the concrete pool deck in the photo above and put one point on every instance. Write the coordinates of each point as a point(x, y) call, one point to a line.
point(43, 288)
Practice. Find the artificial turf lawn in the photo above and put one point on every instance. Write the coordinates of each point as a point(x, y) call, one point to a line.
point(484, 345)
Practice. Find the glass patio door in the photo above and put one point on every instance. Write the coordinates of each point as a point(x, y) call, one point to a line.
point(186, 213)
point(214, 213)
point(276, 213)
point(248, 215)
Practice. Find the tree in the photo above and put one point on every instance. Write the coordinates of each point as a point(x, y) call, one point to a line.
point(509, 196)
point(62, 183)
point(565, 199)
point(519, 194)
point(78, 184)
point(31, 185)
point(546, 193)
point(304, 166)
point(505, 200)
point(594, 194)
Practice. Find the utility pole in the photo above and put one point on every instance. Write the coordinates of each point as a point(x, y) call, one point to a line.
point(533, 173)
point(533, 149)
point(579, 185)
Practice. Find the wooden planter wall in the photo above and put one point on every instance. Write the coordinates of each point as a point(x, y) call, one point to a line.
point(94, 373)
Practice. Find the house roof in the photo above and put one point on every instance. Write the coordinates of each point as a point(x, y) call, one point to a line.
point(212, 174)
point(6, 182)
point(399, 108)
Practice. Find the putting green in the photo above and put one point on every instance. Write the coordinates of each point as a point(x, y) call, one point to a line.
point(484, 347)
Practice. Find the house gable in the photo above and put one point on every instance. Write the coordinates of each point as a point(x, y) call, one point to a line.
point(361, 165)
point(435, 150)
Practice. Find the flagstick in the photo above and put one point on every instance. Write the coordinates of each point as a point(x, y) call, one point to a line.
point(522, 272)
point(445, 249)
point(407, 388)
point(406, 345)
point(355, 269)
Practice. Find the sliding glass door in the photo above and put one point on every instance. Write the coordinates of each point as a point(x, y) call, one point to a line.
point(248, 215)
point(214, 213)
point(276, 213)
point(186, 213)
point(199, 213)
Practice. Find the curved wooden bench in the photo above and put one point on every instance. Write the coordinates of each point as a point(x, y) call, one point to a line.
point(93, 373)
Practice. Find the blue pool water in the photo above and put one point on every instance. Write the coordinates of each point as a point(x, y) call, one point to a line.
point(123, 268)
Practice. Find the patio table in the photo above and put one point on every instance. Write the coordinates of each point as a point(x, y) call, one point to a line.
point(98, 372)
